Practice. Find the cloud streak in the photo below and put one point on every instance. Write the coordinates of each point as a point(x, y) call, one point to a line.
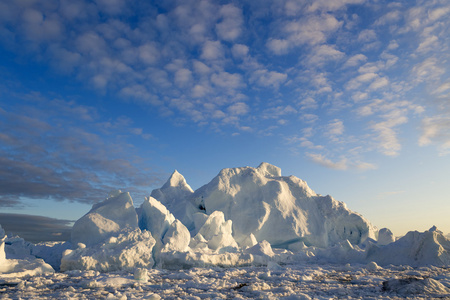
point(45, 154)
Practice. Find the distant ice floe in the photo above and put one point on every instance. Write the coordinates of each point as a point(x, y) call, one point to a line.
point(243, 217)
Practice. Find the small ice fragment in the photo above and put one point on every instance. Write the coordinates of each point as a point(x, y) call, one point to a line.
point(141, 274)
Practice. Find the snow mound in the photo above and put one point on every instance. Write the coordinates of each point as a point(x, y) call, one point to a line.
point(174, 195)
point(105, 219)
point(128, 250)
point(281, 210)
point(414, 249)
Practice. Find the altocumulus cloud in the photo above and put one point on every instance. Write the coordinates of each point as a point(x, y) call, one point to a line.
point(224, 66)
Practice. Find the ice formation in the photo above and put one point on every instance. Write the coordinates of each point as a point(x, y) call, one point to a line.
point(282, 210)
point(27, 265)
point(173, 195)
point(414, 249)
point(130, 249)
point(106, 219)
point(3, 261)
point(244, 216)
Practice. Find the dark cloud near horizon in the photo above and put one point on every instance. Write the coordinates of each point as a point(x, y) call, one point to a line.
point(62, 151)
point(36, 229)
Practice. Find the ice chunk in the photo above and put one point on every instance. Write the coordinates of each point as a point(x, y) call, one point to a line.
point(155, 217)
point(105, 219)
point(372, 266)
point(177, 237)
point(385, 236)
point(128, 250)
point(2, 249)
point(141, 274)
point(218, 232)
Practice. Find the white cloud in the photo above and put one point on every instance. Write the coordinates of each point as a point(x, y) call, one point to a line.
point(388, 142)
point(278, 111)
point(239, 50)
point(200, 68)
point(238, 108)
point(436, 129)
point(212, 50)
point(268, 78)
point(323, 161)
point(332, 5)
point(356, 82)
point(342, 164)
point(201, 90)
point(308, 103)
point(442, 88)
point(324, 53)
point(148, 53)
point(389, 18)
point(311, 30)
point(230, 27)
point(428, 44)
point(183, 77)
point(278, 46)
point(335, 128)
point(392, 45)
point(227, 80)
point(379, 83)
point(429, 69)
point(355, 60)
point(367, 35)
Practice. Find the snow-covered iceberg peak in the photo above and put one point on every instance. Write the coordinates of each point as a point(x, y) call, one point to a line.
point(174, 195)
point(176, 180)
point(269, 170)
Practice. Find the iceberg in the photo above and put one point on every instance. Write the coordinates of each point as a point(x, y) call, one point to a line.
point(282, 210)
point(415, 249)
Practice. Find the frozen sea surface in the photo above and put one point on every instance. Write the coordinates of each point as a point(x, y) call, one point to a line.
point(271, 282)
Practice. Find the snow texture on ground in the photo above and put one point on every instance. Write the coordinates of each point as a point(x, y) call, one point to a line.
point(272, 282)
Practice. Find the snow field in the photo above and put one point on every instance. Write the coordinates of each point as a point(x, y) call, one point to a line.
point(296, 281)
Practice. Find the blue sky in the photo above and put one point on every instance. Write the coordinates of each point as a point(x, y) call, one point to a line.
point(352, 96)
